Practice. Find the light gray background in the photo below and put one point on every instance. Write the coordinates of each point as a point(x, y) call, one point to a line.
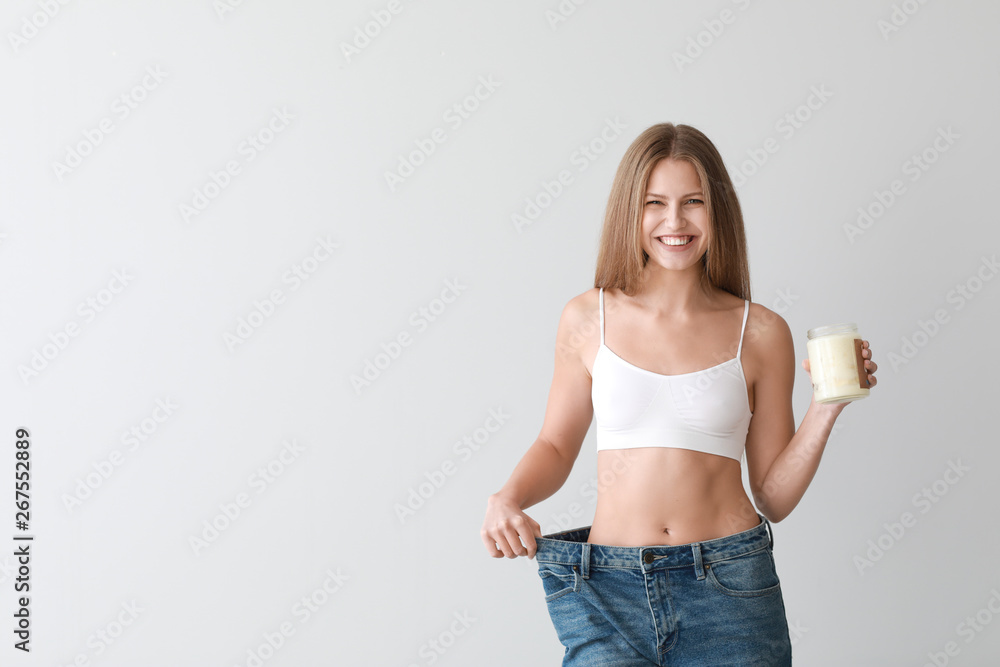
point(333, 508)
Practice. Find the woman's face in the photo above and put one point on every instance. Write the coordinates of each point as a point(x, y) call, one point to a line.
point(674, 210)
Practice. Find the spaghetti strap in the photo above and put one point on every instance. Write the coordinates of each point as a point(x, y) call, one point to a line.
point(746, 312)
point(602, 315)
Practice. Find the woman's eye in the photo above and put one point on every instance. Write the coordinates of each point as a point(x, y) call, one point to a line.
point(657, 201)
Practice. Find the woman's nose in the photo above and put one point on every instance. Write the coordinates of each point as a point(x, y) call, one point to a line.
point(672, 218)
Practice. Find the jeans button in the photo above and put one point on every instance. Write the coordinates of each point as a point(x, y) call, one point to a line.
point(647, 557)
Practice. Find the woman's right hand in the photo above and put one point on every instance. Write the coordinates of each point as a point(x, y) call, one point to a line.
point(506, 526)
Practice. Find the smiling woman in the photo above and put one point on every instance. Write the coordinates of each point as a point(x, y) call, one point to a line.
point(680, 223)
point(678, 563)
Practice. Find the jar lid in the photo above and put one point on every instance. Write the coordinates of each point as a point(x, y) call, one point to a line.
point(847, 327)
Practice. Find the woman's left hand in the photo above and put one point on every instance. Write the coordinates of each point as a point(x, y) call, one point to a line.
point(870, 367)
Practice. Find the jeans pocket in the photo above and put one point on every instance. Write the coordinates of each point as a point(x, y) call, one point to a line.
point(746, 575)
point(558, 579)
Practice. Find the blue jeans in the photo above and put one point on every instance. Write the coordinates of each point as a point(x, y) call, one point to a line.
point(711, 603)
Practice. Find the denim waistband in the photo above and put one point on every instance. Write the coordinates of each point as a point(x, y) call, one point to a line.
point(570, 547)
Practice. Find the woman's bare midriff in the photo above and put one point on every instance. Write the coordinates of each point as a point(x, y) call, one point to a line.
point(668, 496)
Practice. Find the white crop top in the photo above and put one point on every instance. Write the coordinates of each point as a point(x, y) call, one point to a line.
point(706, 411)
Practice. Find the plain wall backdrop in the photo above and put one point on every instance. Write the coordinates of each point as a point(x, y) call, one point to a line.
point(280, 285)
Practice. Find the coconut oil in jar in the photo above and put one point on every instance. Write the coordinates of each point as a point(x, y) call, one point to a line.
point(836, 364)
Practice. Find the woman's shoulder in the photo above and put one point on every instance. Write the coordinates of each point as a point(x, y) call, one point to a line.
point(578, 324)
point(766, 330)
point(586, 298)
point(723, 300)
point(581, 306)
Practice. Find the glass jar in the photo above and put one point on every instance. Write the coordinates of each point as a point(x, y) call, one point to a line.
point(836, 365)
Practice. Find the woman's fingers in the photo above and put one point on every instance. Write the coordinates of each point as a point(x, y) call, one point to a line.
point(502, 542)
point(491, 545)
point(507, 531)
point(511, 542)
point(513, 539)
point(529, 531)
point(870, 365)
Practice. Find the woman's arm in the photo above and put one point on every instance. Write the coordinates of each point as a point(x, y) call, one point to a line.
point(782, 461)
point(546, 465)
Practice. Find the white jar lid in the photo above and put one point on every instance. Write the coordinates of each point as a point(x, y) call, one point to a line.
point(848, 327)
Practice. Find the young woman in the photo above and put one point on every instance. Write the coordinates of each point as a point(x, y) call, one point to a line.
point(682, 375)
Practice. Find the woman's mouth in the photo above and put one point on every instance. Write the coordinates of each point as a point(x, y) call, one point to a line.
point(675, 241)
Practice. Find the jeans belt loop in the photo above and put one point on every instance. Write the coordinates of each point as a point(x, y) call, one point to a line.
point(585, 560)
point(699, 568)
point(770, 531)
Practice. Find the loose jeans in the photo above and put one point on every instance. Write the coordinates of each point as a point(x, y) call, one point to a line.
point(711, 603)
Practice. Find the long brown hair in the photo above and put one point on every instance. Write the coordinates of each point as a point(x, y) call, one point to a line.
point(621, 259)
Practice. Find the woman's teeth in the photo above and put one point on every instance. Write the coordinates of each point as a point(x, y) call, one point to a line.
point(675, 240)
